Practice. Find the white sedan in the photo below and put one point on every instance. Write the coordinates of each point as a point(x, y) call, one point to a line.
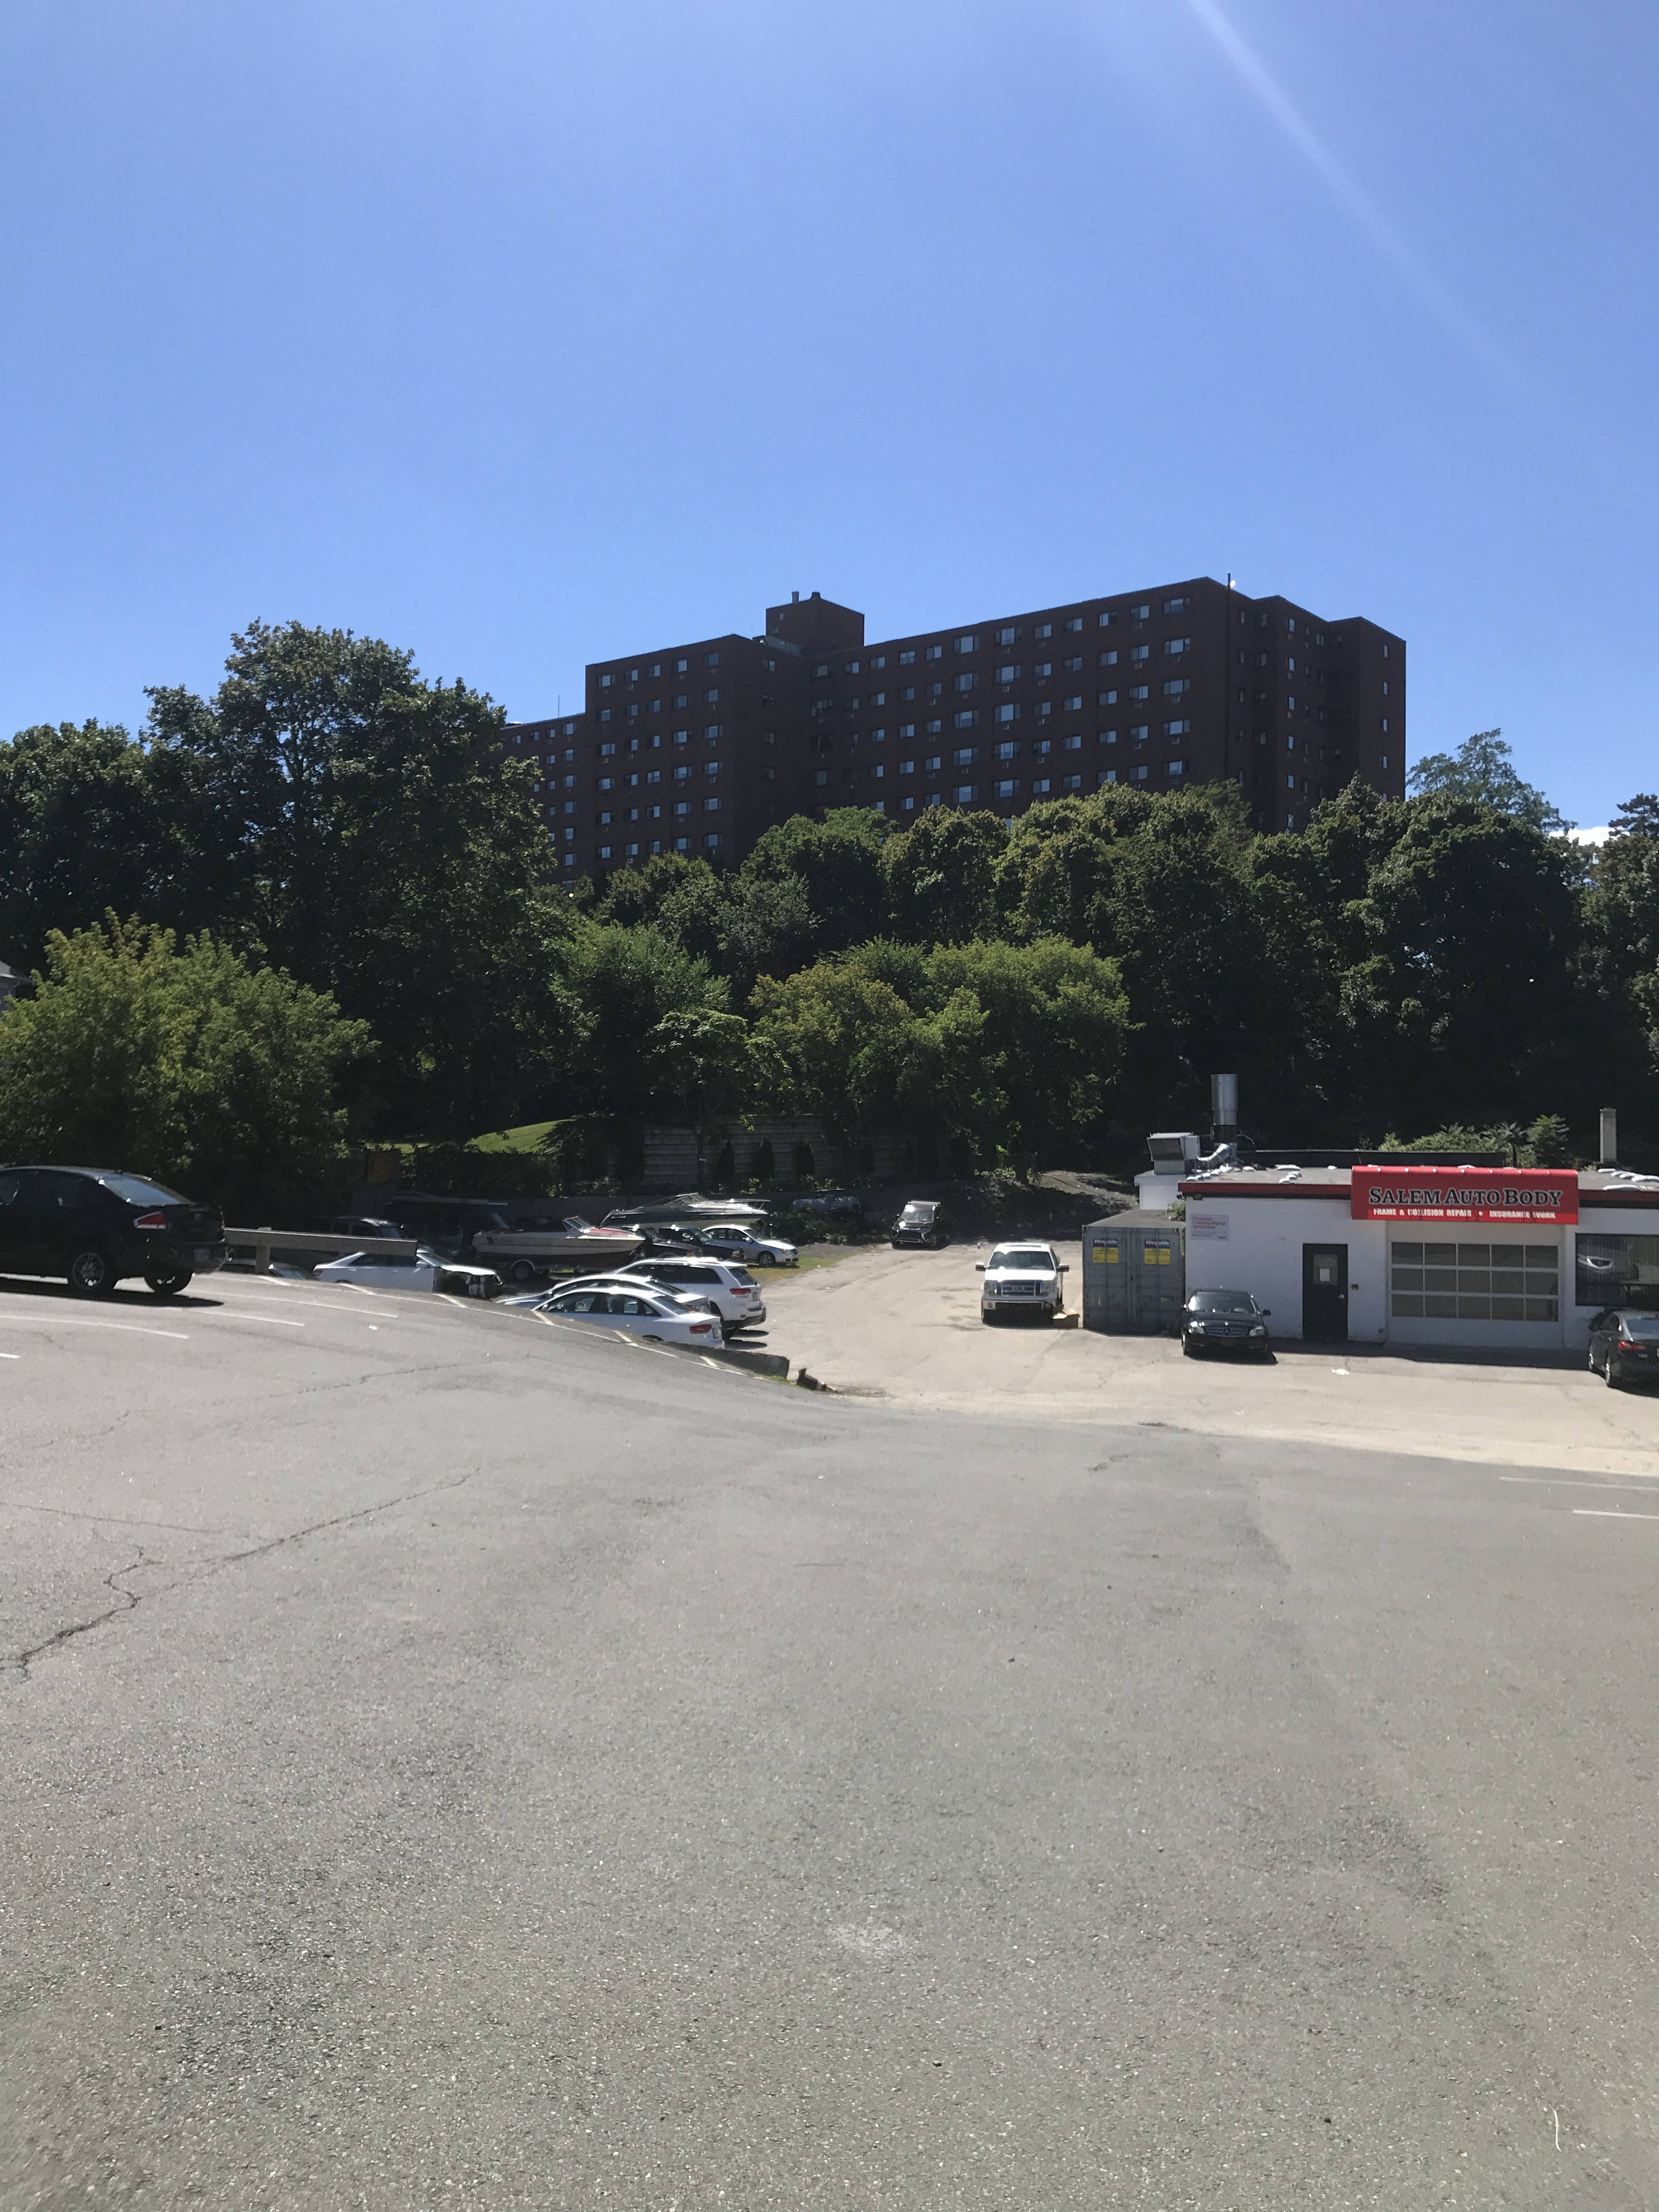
point(427, 1271)
point(655, 1315)
point(733, 1241)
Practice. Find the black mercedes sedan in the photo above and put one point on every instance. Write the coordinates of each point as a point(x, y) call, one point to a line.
point(1623, 1345)
point(94, 1226)
point(1224, 1321)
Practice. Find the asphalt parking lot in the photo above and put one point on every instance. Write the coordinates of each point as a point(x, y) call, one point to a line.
point(450, 1758)
point(904, 1327)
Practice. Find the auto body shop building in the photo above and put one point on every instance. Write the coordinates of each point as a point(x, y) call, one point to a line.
point(1516, 1258)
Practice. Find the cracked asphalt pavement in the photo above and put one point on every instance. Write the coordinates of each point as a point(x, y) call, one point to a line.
point(447, 1759)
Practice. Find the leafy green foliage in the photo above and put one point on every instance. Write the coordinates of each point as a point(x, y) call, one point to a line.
point(1445, 962)
point(838, 862)
point(360, 826)
point(940, 876)
point(182, 1063)
point(1482, 771)
point(80, 832)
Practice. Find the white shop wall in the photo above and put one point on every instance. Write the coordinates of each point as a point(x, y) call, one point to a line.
point(1256, 1245)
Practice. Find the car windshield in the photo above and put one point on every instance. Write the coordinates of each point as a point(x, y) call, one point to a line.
point(138, 1192)
point(1221, 1302)
point(1024, 1255)
point(1640, 1328)
point(916, 1213)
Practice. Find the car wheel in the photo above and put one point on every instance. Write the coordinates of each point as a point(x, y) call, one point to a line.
point(1591, 1359)
point(988, 1318)
point(521, 1271)
point(91, 1273)
point(1610, 1372)
point(168, 1287)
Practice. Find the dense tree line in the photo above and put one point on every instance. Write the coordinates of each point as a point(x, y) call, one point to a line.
point(339, 856)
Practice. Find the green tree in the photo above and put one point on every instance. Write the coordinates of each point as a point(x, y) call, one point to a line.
point(626, 984)
point(701, 1070)
point(185, 1063)
point(1468, 1007)
point(80, 832)
point(1621, 912)
point(940, 876)
point(1482, 771)
point(838, 863)
point(847, 1049)
point(1054, 1026)
point(364, 829)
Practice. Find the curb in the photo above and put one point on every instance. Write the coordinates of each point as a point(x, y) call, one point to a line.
point(756, 1362)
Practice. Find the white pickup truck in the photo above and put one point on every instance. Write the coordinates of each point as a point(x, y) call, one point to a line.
point(522, 1254)
point(1022, 1278)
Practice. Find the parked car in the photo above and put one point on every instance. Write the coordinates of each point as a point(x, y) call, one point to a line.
point(1623, 1345)
point(921, 1222)
point(97, 1226)
point(736, 1294)
point(729, 1240)
point(643, 1311)
point(427, 1271)
point(658, 1239)
point(1224, 1321)
point(363, 1225)
point(542, 1300)
point(1022, 1278)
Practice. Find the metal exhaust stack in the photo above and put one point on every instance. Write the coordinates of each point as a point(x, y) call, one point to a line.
point(1223, 1107)
point(1609, 1136)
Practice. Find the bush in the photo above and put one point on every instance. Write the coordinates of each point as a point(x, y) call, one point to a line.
point(190, 1066)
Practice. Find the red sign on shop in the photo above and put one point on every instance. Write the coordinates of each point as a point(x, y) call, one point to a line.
point(1543, 1195)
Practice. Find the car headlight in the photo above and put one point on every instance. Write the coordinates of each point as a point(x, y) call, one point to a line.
point(1261, 1329)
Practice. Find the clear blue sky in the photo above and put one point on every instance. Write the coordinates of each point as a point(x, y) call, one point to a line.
point(524, 334)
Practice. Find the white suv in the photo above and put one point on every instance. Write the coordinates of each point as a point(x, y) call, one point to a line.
point(732, 1290)
point(1022, 1278)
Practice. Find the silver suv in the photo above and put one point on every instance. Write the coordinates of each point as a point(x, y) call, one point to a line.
point(1022, 1278)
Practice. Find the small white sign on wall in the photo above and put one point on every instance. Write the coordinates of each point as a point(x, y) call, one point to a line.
point(1207, 1228)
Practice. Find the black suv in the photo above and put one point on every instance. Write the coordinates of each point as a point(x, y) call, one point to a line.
point(94, 1225)
point(922, 1222)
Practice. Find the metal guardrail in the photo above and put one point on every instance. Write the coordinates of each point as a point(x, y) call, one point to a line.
point(265, 1242)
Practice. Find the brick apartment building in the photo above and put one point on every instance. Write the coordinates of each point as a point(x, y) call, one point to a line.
point(699, 748)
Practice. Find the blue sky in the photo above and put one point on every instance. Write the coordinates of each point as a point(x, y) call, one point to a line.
point(524, 335)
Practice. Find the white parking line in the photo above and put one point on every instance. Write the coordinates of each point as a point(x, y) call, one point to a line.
point(1610, 1513)
point(74, 1320)
point(1583, 1481)
point(277, 1320)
